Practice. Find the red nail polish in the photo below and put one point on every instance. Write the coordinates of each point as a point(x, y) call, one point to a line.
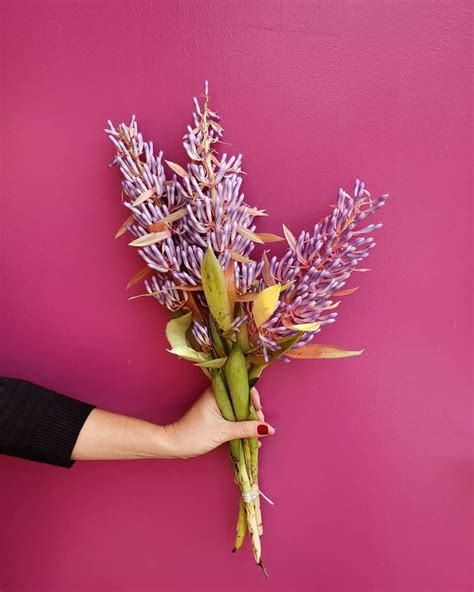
point(262, 429)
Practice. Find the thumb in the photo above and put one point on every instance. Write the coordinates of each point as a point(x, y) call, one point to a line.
point(248, 429)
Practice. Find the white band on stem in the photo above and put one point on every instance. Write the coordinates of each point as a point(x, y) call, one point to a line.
point(249, 496)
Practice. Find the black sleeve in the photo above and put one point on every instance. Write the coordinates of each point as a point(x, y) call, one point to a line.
point(39, 424)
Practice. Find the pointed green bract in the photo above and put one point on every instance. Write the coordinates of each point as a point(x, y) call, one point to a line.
point(215, 290)
point(235, 371)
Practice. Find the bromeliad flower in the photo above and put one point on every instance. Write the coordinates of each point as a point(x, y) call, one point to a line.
point(233, 315)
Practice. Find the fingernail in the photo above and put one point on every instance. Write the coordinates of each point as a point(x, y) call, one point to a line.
point(262, 429)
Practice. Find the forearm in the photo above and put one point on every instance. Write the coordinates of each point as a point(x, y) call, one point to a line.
point(109, 436)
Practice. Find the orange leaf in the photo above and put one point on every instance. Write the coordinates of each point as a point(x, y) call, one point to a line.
point(193, 306)
point(197, 288)
point(268, 237)
point(248, 297)
point(123, 228)
point(345, 292)
point(176, 168)
point(317, 351)
point(269, 280)
point(147, 294)
point(159, 226)
point(138, 276)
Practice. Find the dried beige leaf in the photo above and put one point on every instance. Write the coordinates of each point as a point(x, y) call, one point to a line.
point(253, 211)
point(176, 168)
point(144, 196)
point(290, 238)
point(150, 239)
point(249, 234)
point(175, 216)
point(238, 257)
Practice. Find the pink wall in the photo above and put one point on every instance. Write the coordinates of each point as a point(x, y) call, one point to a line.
point(371, 469)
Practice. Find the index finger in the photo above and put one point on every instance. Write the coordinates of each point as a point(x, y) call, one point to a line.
point(257, 404)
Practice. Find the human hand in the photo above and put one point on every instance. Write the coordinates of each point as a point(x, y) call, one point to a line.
point(202, 428)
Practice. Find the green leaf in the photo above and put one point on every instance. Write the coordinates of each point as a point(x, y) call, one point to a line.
point(188, 353)
point(215, 289)
point(176, 330)
point(215, 363)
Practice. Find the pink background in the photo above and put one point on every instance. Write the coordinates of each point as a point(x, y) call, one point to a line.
point(371, 469)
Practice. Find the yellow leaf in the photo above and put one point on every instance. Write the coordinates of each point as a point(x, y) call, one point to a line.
point(290, 238)
point(176, 168)
point(303, 326)
point(249, 234)
point(150, 239)
point(318, 351)
point(268, 237)
point(138, 276)
point(265, 304)
point(144, 196)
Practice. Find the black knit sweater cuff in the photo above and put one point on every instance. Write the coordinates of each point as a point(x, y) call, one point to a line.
point(56, 434)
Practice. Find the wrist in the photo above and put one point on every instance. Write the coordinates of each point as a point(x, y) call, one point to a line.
point(166, 442)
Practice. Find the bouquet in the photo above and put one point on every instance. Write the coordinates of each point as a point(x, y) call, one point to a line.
point(234, 314)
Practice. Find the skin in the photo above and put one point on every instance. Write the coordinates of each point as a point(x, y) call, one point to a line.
point(111, 436)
